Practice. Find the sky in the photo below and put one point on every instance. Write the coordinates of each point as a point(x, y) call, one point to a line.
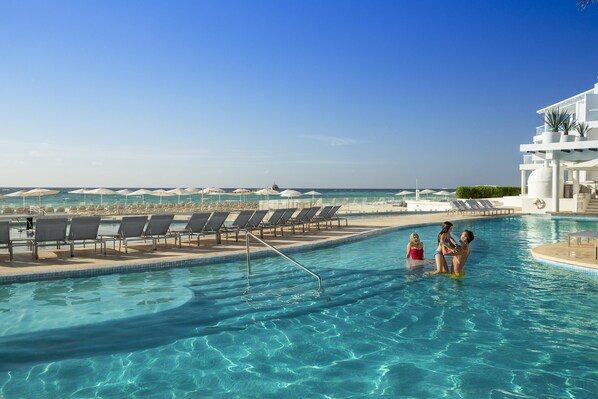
point(310, 94)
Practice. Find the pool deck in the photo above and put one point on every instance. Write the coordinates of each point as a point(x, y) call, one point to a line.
point(57, 264)
point(575, 255)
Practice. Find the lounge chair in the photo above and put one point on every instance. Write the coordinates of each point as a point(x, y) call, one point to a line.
point(473, 204)
point(460, 207)
point(214, 225)
point(5, 241)
point(272, 221)
point(193, 228)
point(320, 217)
point(83, 230)
point(158, 227)
point(238, 224)
point(131, 227)
point(300, 219)
point(284, 219)
point(333, 215)
point(49, 232)
point(490, 205)
point(256, 219)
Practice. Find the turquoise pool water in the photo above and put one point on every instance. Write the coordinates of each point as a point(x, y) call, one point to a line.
point(511, 328)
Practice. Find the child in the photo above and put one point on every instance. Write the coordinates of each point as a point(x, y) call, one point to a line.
point(415, 248)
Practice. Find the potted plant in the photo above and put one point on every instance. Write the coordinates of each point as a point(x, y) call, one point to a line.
point(568, 125)
point(582, 129)
point(553, 119)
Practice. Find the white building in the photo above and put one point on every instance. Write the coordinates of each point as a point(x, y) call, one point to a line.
point(561, 172)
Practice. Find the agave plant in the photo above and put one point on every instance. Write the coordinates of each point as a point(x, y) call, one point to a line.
point(568, 125)
point(554, 118)
point(582, 129)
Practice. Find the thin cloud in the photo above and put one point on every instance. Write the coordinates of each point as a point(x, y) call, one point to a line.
point(331, 140)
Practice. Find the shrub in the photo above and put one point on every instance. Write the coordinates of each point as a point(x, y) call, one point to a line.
point(473, 192)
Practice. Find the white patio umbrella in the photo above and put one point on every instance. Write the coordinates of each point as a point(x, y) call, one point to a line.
point(18, 194)
point(313, 193)
point(81, 191)
point(267, 192)
point(126, 192)
point(427, 191)
point(241, 192)
point(37, 192)
point(443, 193)
point(101, 192)
point(290, 194)
point(142, 192)
point(211, 190)
point(405, 193)
point(162, 193)
point(180, 191)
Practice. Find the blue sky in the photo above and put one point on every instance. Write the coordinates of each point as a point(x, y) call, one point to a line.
point(363, 94)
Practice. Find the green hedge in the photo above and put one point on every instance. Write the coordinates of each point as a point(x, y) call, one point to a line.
point(469, 192)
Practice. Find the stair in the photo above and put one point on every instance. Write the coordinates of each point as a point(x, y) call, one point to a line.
point(592, 207)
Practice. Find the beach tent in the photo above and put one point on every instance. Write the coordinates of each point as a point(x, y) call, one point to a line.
point(101, 192)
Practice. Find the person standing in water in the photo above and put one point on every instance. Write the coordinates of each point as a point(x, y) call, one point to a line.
point(415, 248)
point(446, 246)
point(463, 252)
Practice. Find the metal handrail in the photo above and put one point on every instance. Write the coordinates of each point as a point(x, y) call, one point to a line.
point(249, 234)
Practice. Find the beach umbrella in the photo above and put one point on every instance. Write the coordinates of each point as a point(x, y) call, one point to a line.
point(242, 192)
point(427, 191)
point(211, 190)
point(405, 193)
point(142, 192)
point(180, 191)
point(38, 192)
point(313, 193)
point(101, 192)
point(162, 193)
point(81, 191)
point(126, 192)
point(267, 192)
point(17, 194)
point(443, 193)
point(290, 194)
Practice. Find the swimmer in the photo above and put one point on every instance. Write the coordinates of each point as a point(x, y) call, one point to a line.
point(415, 248)
point(446, 246)
point(463, 252)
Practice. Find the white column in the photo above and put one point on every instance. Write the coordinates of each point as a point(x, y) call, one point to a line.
point(523, 181)
point(556, 174)
point(575, 182)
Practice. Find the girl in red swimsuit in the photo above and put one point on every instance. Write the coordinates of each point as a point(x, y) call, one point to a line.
point(415, 248)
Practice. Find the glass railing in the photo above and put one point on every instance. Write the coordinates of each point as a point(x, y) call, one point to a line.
point(539, 130)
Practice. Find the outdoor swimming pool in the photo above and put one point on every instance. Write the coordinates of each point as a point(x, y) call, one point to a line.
point(511, 327)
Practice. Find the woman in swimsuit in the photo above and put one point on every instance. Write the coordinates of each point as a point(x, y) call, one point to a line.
point(446, 246)
point(415, 248)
